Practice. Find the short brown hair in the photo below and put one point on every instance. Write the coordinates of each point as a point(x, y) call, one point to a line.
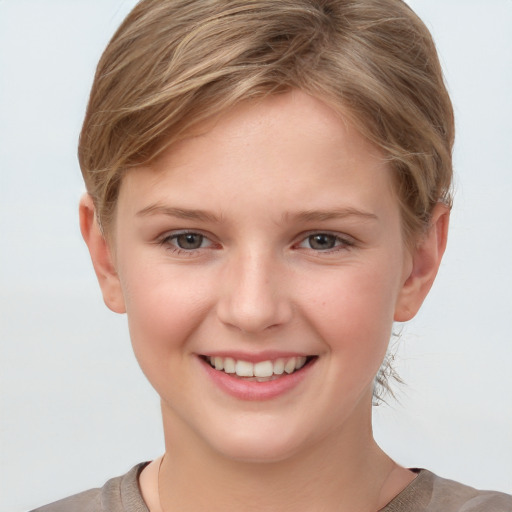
point(174, 63)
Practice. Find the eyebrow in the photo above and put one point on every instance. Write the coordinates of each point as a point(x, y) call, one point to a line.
point(302, 216)
point(337, 213)
point(180, 213)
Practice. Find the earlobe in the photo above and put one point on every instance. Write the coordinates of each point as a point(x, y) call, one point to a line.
point(101, 256)
point(426, 258)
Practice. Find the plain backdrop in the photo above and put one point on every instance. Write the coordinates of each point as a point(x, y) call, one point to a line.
point(74, 407)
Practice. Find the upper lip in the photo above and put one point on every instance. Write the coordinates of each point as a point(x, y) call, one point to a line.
point(256, 357)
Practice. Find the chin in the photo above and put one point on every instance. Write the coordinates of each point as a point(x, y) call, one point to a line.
point(259, 445)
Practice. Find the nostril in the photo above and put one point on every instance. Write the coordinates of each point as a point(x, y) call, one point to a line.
point(253, 316)
point(252, 296)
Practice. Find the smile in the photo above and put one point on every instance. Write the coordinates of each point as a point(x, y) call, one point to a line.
point(262, 371)
point(257, 377)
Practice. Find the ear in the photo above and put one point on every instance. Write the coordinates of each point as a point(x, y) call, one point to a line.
point(426, 258)
point(101, 256)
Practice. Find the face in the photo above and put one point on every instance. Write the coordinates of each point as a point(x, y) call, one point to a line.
point(261, 264)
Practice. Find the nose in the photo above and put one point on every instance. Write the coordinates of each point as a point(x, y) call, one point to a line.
point(253, 295)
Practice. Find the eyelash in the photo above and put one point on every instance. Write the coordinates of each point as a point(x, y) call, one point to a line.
point(168, 239)
point(342, 243)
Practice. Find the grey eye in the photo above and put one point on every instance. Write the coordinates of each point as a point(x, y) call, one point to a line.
point(189, 241)
point(322, 241)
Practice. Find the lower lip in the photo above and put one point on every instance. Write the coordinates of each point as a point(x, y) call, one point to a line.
point(253, 390)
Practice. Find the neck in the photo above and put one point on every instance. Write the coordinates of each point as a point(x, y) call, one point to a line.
point(195, 477)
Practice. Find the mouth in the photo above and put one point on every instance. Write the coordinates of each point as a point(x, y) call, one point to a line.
point(262, 371)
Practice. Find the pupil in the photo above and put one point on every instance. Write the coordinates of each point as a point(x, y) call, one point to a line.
point(189, 241)
point(322, 242)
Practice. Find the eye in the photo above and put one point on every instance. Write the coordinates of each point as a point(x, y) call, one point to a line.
point(321, 241)
point(186, 241)
point(189, 241)
point(324, 242)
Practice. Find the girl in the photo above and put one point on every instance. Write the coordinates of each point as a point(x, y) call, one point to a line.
point(268, 191)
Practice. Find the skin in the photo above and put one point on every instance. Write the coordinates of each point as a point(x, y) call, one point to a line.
point(269, 177)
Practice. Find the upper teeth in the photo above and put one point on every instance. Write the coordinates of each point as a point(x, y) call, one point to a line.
point(261, 369)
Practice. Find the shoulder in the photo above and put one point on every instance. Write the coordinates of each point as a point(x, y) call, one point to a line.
point(87, 501)
point(466, 499)
point(432, 493)
point(120, 494)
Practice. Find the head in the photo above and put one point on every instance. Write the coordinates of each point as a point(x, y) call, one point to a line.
point(175, 65)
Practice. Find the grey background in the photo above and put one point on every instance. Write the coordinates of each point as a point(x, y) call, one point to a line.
point(74, 407)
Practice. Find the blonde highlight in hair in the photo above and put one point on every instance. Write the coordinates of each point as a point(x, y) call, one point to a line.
point(173, 64)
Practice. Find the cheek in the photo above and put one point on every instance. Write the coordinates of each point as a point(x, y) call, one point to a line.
point(356, 298)
point(353, 313)
point(164, 309)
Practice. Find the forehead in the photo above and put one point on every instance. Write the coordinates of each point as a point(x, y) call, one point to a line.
point(279, 150)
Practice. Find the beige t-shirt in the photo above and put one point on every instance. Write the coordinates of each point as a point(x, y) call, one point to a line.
point(426, 493)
